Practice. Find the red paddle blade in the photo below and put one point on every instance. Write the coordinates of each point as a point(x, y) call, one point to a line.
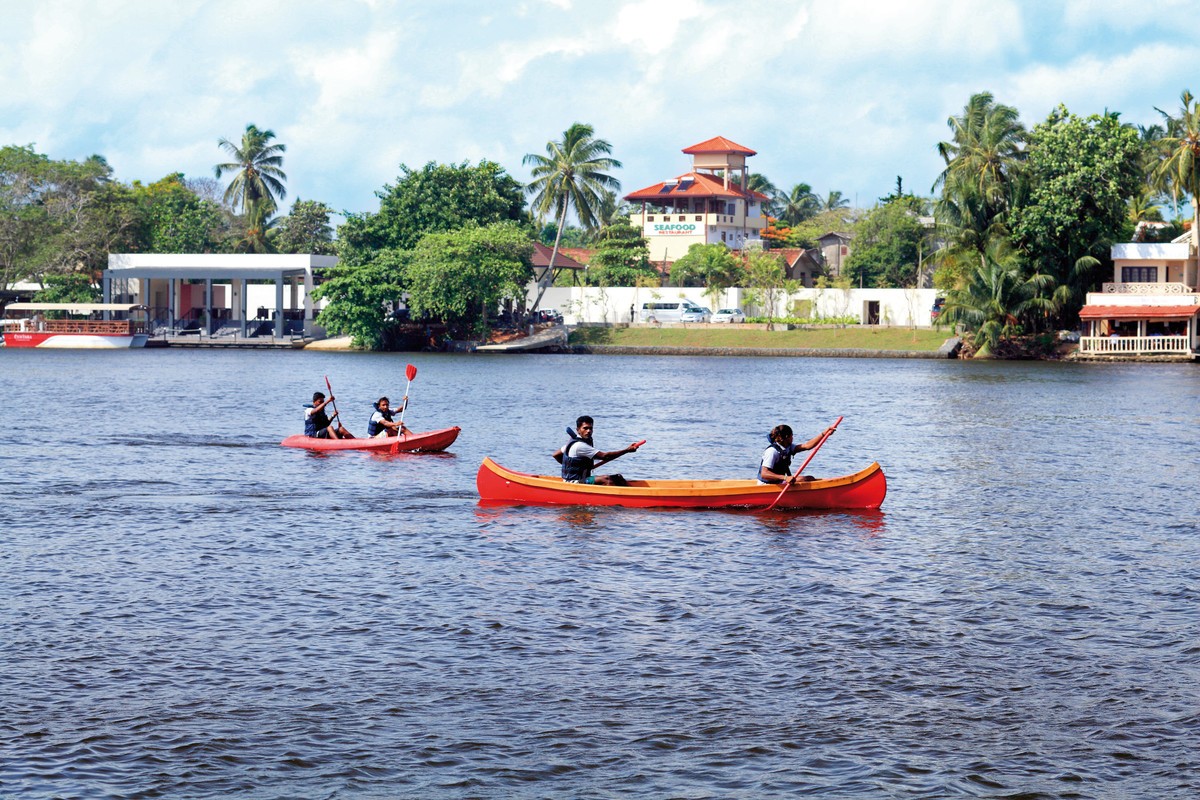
point(327, 386)
point(410, 371)
point(639, 444)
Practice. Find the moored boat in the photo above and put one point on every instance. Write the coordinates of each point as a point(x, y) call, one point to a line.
point(74, 325)
point(427, 442)
point(862, 490)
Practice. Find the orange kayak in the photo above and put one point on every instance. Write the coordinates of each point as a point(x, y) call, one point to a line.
point(862, 490)
point(427, 442)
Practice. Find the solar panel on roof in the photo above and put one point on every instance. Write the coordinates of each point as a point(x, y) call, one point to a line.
point(686, 184)
point(668, 186)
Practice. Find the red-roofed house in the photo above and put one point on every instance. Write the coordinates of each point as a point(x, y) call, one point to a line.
point(801, 264)
point(703, 206)
point(541, 262)
point(1152, 306)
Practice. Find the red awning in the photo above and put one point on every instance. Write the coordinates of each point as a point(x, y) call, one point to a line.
point(1138, 312)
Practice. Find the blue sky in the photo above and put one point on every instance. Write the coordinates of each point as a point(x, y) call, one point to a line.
point(841, 94)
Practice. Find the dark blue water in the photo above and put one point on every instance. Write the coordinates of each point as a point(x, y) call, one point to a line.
point(191, 611)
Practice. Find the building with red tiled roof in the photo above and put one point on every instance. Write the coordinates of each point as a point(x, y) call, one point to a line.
point(704, 206)
point(801, 264)
point(541, 263)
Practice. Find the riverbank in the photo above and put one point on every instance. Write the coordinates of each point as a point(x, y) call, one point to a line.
point(850, 342)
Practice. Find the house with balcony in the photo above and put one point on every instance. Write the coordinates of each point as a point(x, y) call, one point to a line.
point(704, 206)
point(1151, 307)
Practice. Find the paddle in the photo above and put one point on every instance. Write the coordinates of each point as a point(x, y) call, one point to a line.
point(788, 483)
point(330, 388)
point(410, 372)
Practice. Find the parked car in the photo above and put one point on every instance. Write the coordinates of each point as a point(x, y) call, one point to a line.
point(674, 311)
point(729, 315)
point(936, 311)
point(548, 315)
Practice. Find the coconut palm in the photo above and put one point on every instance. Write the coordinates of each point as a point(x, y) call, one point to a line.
point(799, 204)
point(983, 159)
point(1178, 174)
point(259, 179)
point(835, 201)
point(258, 226)
point(572, 174)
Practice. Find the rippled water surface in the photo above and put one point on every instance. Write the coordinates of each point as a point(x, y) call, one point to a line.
point(190, 610)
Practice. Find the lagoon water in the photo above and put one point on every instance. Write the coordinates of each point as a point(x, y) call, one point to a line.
point(189, 610)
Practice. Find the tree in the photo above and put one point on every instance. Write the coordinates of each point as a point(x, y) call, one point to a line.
point(259, 175)
point(1081, 174)
point(363, 296)
point(799, 204)
point(462, 276)
point(175, 220)
point(1179, 172)
point(994, 299)
point(710, 265)
point(765, 276)
point(305, 229)
point(573, 173)
point(437, 197)
point(622, 257)
point(888, 245)
point(76, 287)
point(983, 159)
point(834, 202)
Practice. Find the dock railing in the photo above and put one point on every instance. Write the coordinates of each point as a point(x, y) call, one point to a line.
point(1133, 345)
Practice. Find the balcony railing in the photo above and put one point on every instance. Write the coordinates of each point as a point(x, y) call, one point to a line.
point(1133, 345)
point(1148, 288)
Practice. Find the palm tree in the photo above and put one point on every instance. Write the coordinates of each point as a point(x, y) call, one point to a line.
point(835, 201)
point(257, 229)
point(259, 179)
point(983, 160)
point(1179, 172)
point(799, 204)
point(995, 298)
point(571, 174)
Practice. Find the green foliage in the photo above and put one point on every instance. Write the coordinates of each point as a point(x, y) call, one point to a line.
point(71, 288)
point(994, 300)
point(889, 245)
point(438, 197)
point(799, 204)
point(305, 229)
point(462, 276)
point(362, 297)
point(259, 177)
point(765, 277)
point(710, 265)
point(572, 235)
point(622, 257)
point(175, 220)
point(1178, 173)
point(1081, 173)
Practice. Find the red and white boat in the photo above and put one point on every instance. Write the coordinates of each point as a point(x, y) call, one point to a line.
point(75, 325)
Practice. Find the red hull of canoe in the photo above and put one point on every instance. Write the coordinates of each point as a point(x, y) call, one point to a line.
point(428, 442)
point(863, 490)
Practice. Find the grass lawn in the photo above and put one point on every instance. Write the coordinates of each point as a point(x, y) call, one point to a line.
point(853, 337)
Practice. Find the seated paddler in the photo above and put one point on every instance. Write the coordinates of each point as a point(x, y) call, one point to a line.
point(579, 456)
point(383, 422)
point(318, 424)
point(776, 463)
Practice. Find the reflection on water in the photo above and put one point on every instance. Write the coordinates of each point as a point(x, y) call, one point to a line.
point(191, 610)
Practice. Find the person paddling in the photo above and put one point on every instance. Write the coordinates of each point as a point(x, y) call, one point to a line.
point(776, 464)
point(383, 422)
point(318, 424)
point(579, 457)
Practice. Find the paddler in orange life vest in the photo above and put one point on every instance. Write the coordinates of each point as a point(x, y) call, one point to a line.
point(382, 423)
point(578, 457)
point(317, 423)
point(776, 464)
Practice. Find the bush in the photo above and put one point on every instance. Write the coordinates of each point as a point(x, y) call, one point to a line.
point(804, 320)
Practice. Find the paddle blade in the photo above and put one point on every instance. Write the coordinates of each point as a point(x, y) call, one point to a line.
point(410, 371)
point(639, 444)
point(327, 386)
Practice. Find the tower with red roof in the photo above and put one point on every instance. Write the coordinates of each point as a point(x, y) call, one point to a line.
point(704, 206)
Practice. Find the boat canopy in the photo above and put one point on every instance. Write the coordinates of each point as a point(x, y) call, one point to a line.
point(74, 308)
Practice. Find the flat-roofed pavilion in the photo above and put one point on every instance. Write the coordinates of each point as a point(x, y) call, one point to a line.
point(168, 284)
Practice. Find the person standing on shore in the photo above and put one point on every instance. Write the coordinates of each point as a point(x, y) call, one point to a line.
point(318, 424)
point(579, 457)
point(776, 463)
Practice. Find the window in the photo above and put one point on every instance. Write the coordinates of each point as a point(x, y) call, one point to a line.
point(1139, 274)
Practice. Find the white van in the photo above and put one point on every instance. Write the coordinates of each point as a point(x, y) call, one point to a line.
point(674, 311)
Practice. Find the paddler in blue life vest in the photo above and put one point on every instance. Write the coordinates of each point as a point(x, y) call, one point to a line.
point(318, 425)
point(579, 457)
point(776, 464)
point(382, 422)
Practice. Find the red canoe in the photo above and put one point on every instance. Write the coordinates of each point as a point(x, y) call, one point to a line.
point(428, 442)
point(862, 490)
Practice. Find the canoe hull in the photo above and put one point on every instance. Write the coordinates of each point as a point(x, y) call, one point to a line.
point(427, 442)
point(863, 490)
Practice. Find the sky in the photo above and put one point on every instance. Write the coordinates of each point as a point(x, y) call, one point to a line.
point(841, 94)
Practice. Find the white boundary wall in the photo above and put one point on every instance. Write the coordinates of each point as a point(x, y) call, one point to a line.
point(578, 304)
